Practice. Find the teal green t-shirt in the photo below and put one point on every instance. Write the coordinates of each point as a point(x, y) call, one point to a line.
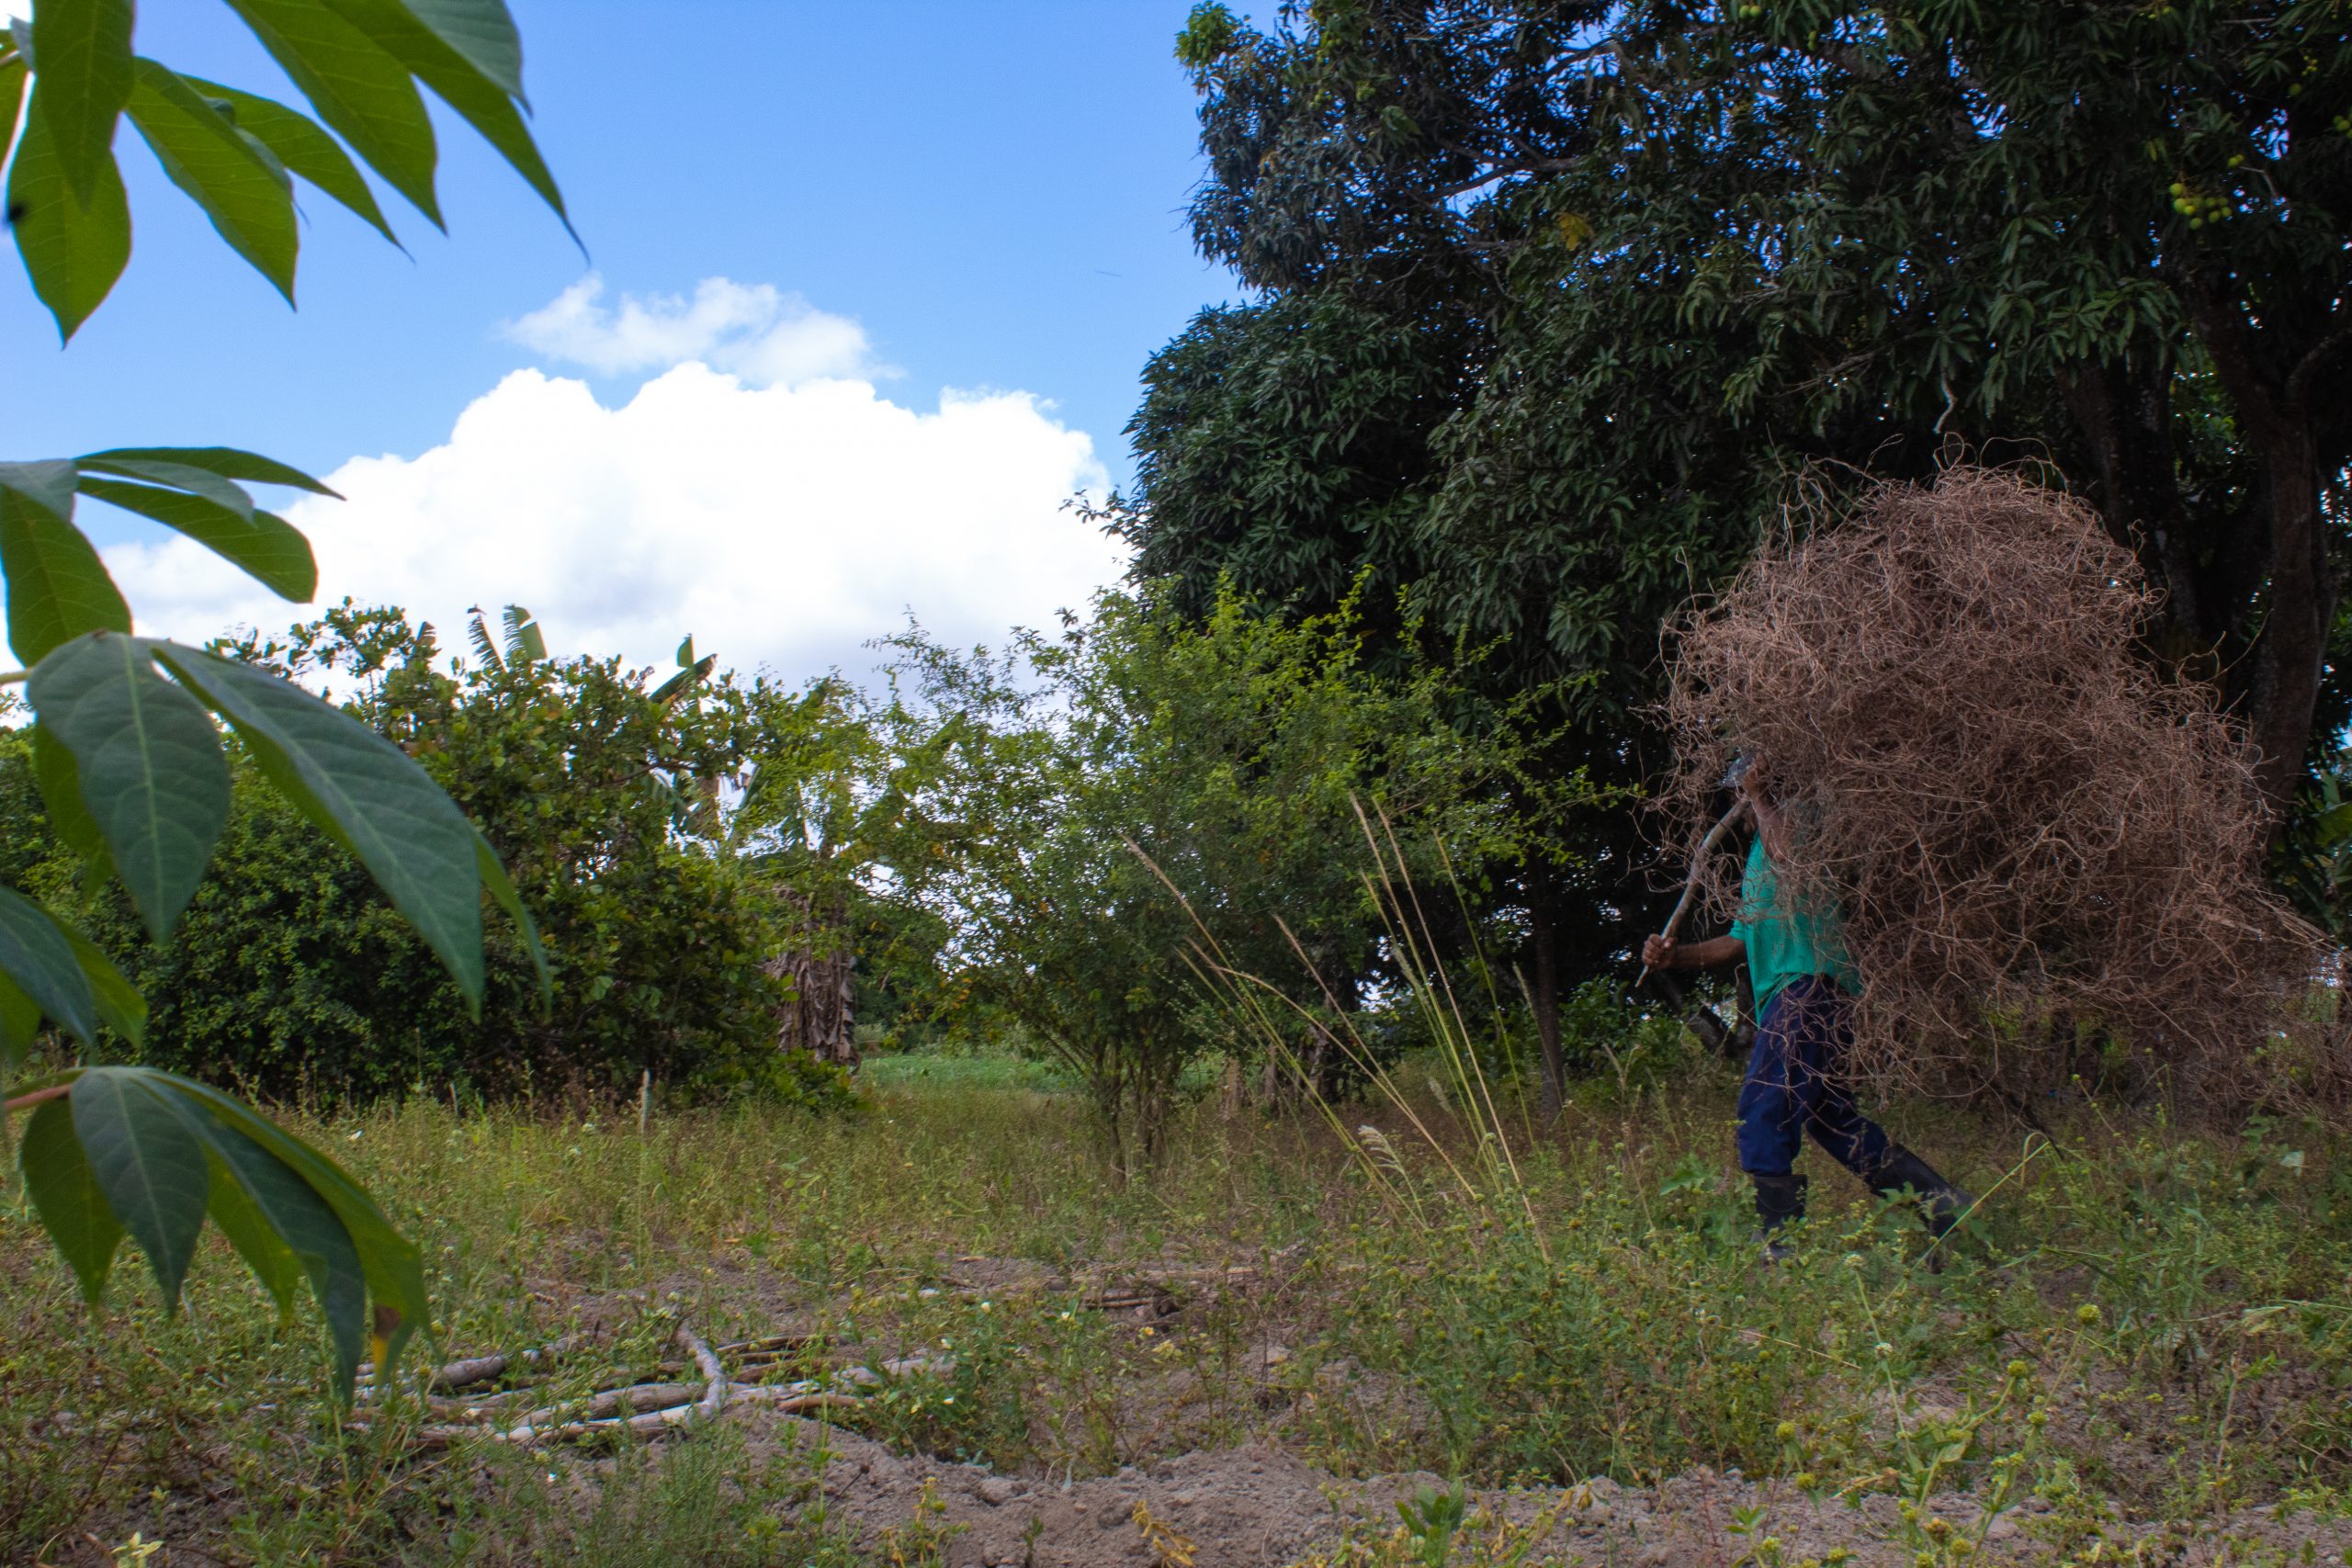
point(1785, 944)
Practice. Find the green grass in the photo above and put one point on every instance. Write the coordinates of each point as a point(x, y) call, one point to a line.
point(955, 1070)
point(2143, 1322)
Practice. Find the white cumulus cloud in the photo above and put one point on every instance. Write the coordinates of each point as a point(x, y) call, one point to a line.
point(753, 330)
point(781, 520)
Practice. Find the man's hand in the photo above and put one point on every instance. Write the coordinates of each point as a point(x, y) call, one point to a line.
point(1663, 952)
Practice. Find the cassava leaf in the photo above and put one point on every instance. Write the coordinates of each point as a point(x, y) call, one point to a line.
point(482, 33)
point(303, 1225)
point(366, 792)
point(394, 1273)
point(48, 484)
point(359, 90)
point(66, 1195)
point(37, 957)
point(152, 771)
point(121, 1006)
point(266, 1253)
point(13, 75)
point(227, 495)
point(19, 1024)
point(136, 1149)
point(81, 55)
point(60, 782)
point(485, 104)
point(228, 462)
point(72, 249)
point(303, 148)
point(58, 588)
point(263, 545)
point(150, 1163)
point(245, 194)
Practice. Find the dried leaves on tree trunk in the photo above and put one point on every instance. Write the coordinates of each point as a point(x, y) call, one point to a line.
point(820, 1016)
point(2047, 857)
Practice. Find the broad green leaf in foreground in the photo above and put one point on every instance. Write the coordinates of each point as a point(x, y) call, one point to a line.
point(60, 782)
point(73, 249)
point(58, 588)
point(149, 1153)
point(19, 1022)
point(202, 482)
point(47, 483)
point(13, 76)
point(121, 1006)
point(302, 147)
point(66, 1194)
point(304, 1227)
point(263, 545)
point(366, 792)
point(149, 1165)
point(150, 765)
point(482, 33)
point(241, 187)
point(394, 1272)
point(278, 1269)
point(229, 462)
point(359, 90)
point(485, 104)
point(82, 50)
point(36, 955)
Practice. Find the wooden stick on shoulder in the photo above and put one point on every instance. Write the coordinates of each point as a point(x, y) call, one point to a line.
point(1707, 847)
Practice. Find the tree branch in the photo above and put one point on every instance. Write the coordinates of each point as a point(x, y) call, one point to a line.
point(2298, 379)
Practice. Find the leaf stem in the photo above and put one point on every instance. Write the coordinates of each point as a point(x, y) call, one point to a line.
point(26, 1101)
point(15, 677)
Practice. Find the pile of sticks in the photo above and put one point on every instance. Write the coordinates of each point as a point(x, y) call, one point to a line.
point(524, 1416)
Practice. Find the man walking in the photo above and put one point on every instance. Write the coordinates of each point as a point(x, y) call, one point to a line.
point(1805, 990)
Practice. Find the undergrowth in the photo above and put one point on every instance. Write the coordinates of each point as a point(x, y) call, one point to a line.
point(2138, 1323)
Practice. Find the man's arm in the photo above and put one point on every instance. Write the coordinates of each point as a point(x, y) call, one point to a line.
point(1666, 953)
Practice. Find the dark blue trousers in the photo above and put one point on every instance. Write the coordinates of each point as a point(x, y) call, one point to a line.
point(1795, 1085)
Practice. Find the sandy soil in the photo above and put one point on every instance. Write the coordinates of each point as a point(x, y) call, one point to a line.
point(1260, 1507)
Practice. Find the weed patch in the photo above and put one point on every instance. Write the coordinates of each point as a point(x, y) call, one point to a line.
point(2140, 1330)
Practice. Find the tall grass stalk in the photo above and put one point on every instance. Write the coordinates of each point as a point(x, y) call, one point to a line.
point(1249, 1000)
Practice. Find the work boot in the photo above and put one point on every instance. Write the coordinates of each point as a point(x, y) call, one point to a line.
point(1779, 1200)
point(1940, 1204)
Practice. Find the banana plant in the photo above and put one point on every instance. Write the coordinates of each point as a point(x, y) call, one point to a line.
point(129, 732)
point(524, 644)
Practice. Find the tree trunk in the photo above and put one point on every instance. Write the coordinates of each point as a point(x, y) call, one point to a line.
point(2291, 657)
point(1546, 1002)
point(2272, 404)
point(820, 1017)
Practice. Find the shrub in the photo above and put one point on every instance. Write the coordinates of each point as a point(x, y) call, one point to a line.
point(293, 975)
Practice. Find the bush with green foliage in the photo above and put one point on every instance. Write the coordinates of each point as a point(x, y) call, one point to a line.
point(291, 974)
point(1131, 825)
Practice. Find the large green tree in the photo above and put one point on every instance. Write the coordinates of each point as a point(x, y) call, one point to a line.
point(1562, 305)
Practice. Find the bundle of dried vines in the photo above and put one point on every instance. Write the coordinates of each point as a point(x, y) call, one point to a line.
point(2044, 853)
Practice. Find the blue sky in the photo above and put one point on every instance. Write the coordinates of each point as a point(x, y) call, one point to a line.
point(993, 192)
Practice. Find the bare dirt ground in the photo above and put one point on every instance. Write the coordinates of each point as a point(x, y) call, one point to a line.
point(1261, 1506)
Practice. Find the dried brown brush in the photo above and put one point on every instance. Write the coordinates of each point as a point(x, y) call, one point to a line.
point(2047, 857)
